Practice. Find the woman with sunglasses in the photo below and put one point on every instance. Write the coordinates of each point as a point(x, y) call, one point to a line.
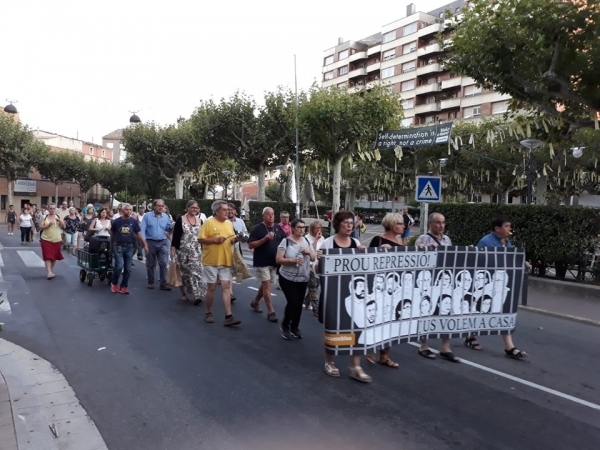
point(51, 239)
point(294, 254)
point(343, 224)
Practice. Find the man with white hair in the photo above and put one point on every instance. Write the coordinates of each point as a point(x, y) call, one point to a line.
point(217, 238)
point(264, 240)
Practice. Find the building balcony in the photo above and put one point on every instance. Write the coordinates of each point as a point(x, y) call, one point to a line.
point(431, 29)
point(375, 67)
point(356, 88)
point(357, 56)
point(374, 50)
point(427, 88)
point(360, 72)
point(450, 103)
point(427, 108)
point(429, 68)
point(429, 49)
point(451, 83)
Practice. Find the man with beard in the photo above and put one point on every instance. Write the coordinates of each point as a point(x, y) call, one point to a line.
point(355, 302)
point(435, 237)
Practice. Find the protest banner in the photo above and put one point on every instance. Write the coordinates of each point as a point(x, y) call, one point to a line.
point(414, 137)
point(374, 298)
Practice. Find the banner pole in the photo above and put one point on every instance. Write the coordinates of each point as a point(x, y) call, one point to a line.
point(424, 216)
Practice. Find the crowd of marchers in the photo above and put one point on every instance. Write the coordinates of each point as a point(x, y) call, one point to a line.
point(285, 254)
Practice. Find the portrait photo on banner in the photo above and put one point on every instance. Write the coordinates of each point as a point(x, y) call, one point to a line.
point(374, 298)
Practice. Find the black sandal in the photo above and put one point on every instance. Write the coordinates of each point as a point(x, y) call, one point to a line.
point(427, 354)
point(515, 353)
point(449, 356)
point(471, 342)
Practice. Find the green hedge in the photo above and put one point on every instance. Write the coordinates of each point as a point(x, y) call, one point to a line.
point(558, 236)
point(177, 206)
point(256, 209)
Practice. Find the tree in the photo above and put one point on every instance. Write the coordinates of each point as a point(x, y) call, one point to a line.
point(59, 166)
point(255, 137)
point(338, 124)
point(113, 177)
point(543, 53)
point(86, 174)
point(171, 151)
point(18, 150)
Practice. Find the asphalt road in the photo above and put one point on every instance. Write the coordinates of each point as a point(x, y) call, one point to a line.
point(169, 381)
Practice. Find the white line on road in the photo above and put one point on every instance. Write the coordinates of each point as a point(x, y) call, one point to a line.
point(1, 261)
point(525, 382)
point(256, 289)
point(30, 258)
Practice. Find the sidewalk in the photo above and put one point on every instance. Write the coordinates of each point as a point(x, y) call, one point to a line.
point(565, 300)
point(38, 408)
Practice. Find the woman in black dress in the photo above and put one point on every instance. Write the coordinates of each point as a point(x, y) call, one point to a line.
point(393, 225)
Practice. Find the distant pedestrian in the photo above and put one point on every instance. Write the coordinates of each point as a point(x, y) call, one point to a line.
point(11, 219)
point(123, 230)
point(71, 229)
point(141, 211)
point(264, 240)
point(51, 239)
point(294, 256)
point(156, 227)
point(217, 238)
point(408, 221)
point(187, 253)
point(284, 223)
point(25, 223)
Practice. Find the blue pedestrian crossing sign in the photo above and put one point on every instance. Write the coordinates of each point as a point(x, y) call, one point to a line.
point(429, 189)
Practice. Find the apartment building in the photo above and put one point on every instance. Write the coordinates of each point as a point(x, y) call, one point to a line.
point(406, 55)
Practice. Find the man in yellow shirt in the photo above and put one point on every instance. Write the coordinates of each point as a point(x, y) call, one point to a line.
point(217, 237)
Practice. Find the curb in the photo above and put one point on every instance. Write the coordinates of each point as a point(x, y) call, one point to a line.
point(46, 412)
point(545, 312)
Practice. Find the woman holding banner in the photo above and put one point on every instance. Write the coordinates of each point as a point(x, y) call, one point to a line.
point(393, 225)
point(343, 224)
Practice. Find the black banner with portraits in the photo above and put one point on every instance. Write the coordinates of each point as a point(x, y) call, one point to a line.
point(374, 298)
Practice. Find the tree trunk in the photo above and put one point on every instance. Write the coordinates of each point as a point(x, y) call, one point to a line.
point(351, 198)
point(178, 185)
point(10, 188)
point(337, 181)
point(540, 192)
point(261, 183)
point(56, 194)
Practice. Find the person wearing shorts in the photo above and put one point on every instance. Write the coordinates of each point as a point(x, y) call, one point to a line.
point(217, 238)
point(11, 219)
point(264, 240)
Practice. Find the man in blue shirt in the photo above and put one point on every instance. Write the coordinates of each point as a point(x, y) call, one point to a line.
point(156, 227)
point(499, 237)
point(122, 233)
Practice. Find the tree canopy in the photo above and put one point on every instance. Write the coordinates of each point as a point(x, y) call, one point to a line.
point(543, 53)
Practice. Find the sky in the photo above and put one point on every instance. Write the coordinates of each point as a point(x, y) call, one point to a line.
point(77, 68)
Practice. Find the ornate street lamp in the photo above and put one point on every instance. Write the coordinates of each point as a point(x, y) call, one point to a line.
point(10, 108)
point(134, 118)
point(577, 151)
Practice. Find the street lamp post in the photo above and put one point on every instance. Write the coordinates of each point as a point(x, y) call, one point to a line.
point(424, 208)
point(282, 179)
point(10, 108)
point(226, 173)
point(530, 165)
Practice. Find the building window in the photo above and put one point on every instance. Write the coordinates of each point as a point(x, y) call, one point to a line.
point(472, 112)
point(329, 75)
point(431, 80)
point(386, 73)
point(477, 111)
point(390, 54)
point(342, 55)
point(407, 122)
point(91, 150)
point(408, 103)
point(109, 145)
point(342, 85)
point(329, 60)
point(409, 29)
point(408, 48)
point(408, 85)
point(103, 153)
point(3, 200)
point(472, 90)
point(430, 99)
point(500, 107)
point(388, 37)
point(411, 65)
point(343, 70)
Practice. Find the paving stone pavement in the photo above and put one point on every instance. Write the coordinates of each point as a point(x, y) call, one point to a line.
point(38, 408)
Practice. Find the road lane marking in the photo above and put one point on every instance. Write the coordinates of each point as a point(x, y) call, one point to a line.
point(524, 382)
point(256, 289)
point(1, 261)
point(30, 258)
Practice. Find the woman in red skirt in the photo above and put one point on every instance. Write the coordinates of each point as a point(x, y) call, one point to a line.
point(51, 240)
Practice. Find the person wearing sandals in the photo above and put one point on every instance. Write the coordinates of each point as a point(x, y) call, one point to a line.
point(499, 237)
point(435, 237)
point(51, 240)
point(393, 226)
point(187, 253)
point(294, 256)
point(343, 224)
point(315, 239)
point(264, 240)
